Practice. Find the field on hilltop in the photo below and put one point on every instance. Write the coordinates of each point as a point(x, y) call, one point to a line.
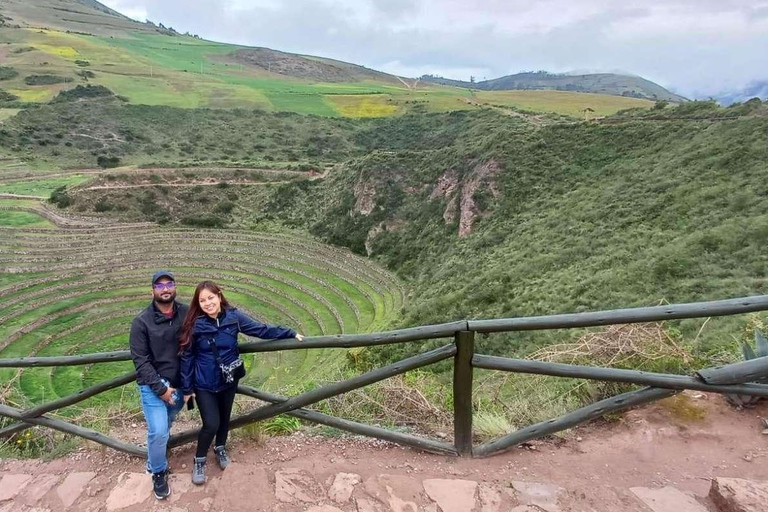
point(50, 47)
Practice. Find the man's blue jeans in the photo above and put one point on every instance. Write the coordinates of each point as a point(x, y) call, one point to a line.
point(159, 416)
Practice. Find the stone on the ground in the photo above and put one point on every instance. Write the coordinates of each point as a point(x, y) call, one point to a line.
point(131, 489)
point(11, 485)
point(324, 508)
point(72, 487)
point(739, 495)
point(542, 495)
point(400, 493)
point(667, 499)
point(366, 505)
point(243, 478)
point(38, 488)
point(293, 485)
point(343, 486)
point(451, 495)
point(490, 498)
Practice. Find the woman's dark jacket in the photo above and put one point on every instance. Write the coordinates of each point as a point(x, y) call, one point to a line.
point(199, 369)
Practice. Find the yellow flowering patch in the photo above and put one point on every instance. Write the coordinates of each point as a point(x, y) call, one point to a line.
point(66, 52)
point(362, 105)
point(32, 96)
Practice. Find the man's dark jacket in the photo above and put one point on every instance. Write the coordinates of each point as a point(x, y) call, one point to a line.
point(155, 346)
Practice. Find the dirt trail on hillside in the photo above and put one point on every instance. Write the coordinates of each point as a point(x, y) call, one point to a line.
point(604, 467)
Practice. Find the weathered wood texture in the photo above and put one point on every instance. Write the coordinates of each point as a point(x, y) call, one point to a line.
point(744, 371)
point(660, 380)
point(624, 316)
point(420, 443)
point(462, 392)
point(590, 412)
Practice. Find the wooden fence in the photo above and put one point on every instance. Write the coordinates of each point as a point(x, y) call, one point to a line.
point(733, 378)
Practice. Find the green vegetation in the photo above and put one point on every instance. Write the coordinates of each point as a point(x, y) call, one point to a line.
point(7, 73)
point(42, 187)
point(20, 219)
point(46, 79)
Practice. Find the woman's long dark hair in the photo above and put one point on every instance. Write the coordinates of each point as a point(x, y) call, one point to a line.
point(195, 312)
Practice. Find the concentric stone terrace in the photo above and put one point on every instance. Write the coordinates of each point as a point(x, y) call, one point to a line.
point(74, 290)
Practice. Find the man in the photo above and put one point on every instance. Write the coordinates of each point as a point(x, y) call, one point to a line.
point(155, 352)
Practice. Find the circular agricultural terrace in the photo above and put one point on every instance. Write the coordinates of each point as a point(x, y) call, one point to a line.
point(74, 290)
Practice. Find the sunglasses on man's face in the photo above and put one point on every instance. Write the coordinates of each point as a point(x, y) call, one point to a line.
point(164, 286)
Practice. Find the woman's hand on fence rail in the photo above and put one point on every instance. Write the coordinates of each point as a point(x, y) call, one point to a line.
point(299, 337)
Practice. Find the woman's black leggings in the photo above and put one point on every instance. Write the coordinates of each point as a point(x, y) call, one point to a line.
point(215, 409)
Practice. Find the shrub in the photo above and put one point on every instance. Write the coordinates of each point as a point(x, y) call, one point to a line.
point(83, 92)
point(203, 221)
point(46, 79)
point(106, 162)
point(7, 73)
point(7, 97)
point(102, 205)
point(60, 197)
point(225, 207)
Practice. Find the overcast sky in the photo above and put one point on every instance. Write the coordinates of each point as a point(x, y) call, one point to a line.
point(694, 47)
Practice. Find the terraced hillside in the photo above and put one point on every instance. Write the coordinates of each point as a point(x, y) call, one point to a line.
point(74, 289)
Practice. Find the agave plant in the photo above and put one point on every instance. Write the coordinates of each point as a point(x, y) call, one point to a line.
point(749, 353)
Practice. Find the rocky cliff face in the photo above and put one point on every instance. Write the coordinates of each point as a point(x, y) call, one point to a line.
point(462, 194)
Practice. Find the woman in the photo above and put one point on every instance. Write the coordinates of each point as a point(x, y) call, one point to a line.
point(211, 365)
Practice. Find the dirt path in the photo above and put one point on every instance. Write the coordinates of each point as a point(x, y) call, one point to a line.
point(656, 459)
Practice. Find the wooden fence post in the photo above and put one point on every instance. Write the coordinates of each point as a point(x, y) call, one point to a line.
point(462, 392)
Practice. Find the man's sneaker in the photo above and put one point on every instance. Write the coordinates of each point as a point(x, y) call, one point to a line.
point(160, 485)
point(221, 456)
point(198, 471)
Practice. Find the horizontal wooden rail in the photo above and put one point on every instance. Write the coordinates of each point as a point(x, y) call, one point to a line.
point(590, 412)
point(659, 380)
point(420, 443)
point(358, 340)
point(624, 316)
point(336, 341)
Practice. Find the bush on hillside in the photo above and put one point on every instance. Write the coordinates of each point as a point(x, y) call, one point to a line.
point(83, 92)
point(47, 79)
point(7, 73)
point(203, 221)
point(106, 162)
point(6, 97)
point(60, 197)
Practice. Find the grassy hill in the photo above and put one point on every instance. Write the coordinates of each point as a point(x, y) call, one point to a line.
point(597, 83)
point(50, 46)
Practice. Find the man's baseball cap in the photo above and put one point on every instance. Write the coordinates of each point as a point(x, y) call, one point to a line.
point(162, 273)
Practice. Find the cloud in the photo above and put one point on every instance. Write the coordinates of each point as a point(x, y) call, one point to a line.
point(693, 46)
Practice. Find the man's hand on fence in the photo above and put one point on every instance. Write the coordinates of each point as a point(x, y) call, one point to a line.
point(167, 397)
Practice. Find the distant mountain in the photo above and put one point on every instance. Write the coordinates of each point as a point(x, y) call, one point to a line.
point(598, 83)
point(757, 89)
